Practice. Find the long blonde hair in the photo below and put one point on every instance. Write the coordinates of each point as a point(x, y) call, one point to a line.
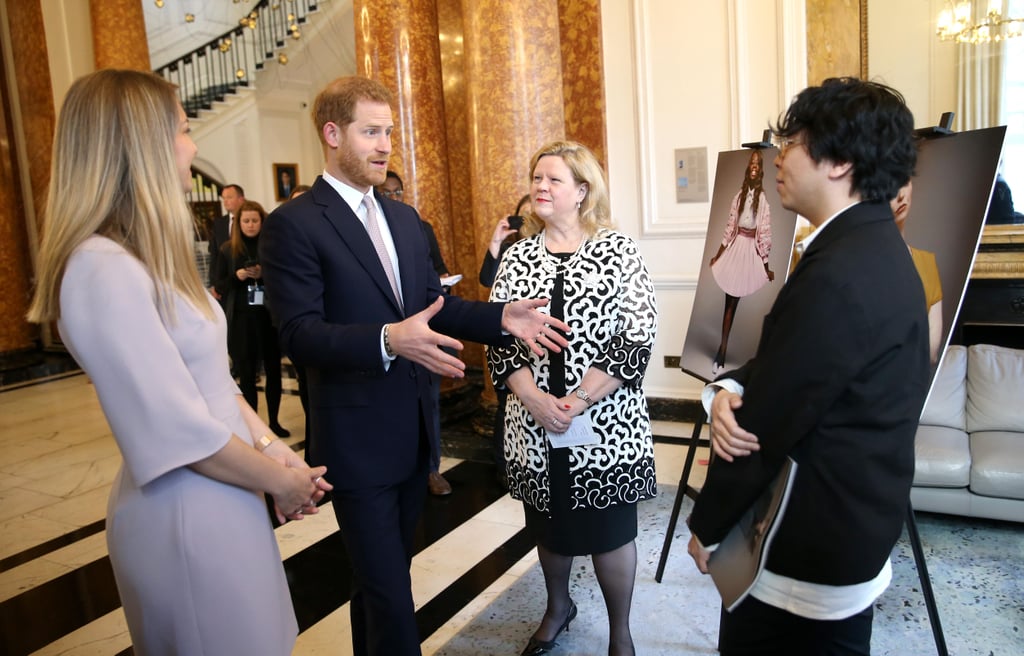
point(114, 174)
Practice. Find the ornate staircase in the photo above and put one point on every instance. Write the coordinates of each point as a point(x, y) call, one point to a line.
point(231, 61)
point(225, 65)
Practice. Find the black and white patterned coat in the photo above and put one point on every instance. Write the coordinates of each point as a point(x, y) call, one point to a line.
point(610, 306)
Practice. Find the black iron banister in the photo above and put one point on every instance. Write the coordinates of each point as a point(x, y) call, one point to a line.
point(223, 64)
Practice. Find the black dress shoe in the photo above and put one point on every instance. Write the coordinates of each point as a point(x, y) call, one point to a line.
point(279, 430)
point(537, 647)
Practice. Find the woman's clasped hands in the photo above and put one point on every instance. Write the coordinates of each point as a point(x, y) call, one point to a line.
point(551, 412)
point(300, 487)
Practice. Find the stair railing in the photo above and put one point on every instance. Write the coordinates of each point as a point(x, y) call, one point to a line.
point(219, 67)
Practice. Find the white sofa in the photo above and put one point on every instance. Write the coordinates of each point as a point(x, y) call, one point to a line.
point(970, 442)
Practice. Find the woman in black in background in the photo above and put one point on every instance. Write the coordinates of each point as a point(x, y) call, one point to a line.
point(504, 236)
point(251, 335)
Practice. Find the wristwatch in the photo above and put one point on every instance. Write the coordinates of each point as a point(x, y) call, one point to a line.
point(582, 394)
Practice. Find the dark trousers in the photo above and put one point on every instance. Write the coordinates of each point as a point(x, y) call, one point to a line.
point(252, 340)
point(377, 525)
point(435, 398)
point(755, 628)
point(300, 379)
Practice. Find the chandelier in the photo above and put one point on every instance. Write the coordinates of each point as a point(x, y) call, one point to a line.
point(957, 23)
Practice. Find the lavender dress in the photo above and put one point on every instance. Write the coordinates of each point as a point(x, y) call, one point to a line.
point(197, 566)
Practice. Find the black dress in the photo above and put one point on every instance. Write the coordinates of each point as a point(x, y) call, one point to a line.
point(564, 531)
point(252, 338)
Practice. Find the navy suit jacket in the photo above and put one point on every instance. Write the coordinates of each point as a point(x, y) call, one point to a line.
point(838, 382)
point(329, 293)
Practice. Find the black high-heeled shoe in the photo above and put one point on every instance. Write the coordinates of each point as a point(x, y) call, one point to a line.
point(537, 647)
point(279, 430)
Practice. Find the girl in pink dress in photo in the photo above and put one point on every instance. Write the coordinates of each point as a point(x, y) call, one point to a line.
point(740, 266)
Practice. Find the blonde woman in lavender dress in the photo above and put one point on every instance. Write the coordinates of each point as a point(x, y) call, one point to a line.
point(196, 563)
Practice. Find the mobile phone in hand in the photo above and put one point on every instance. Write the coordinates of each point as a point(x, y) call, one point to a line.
point(515, 222)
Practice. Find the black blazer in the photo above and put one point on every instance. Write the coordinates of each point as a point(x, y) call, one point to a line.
point(838, 382)
point(219, 235)
point(331, 297)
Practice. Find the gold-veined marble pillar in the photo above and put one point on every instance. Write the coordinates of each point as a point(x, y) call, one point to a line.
point(836, 39)
point(583, 74)
point(119, 34)
point(512, 67)
point(397, 44)
point(26, 133)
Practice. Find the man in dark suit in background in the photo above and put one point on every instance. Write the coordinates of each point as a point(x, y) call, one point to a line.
point(232, 197)
point(284, 184)
point(357, 300)
point(838, 382)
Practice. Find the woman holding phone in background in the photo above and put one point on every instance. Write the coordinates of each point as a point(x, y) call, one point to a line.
point(252, 338)
point(506, 233)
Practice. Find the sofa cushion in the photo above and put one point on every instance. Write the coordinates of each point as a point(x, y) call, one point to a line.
point(945, 406)
point(942, 457)
point(997, 464)
point(995, 378)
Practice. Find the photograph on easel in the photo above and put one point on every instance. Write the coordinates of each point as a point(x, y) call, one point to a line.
point(745, 262)
point(941, 216)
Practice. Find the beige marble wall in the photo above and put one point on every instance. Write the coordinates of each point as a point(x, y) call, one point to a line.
point(28, 110)
point(836, 41)
point(583, 74)
point(119, 34)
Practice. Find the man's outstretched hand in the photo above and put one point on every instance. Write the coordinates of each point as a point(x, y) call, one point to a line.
point(523, 320)
point(413, 339)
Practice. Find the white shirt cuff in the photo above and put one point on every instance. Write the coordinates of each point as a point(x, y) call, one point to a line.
point(707, 395)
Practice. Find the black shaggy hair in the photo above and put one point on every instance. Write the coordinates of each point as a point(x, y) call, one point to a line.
point(865, 124)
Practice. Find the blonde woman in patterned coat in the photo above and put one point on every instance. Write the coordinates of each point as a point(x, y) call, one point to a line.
point(577, 432)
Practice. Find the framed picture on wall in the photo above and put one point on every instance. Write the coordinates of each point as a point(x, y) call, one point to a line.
point(286, 176)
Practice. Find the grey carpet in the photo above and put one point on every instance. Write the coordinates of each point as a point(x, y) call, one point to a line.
point(976, 569)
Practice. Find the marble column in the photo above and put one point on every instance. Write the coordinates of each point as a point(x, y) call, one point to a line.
point(583, 74)
point(119, 34)
point(503, 81)
point(513, 69)
point(397, 44)
point(26, 132)
point(836, 39)
point(480, 85)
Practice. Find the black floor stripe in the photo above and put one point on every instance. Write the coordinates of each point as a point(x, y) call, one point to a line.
point(318, 575)
point(432, 615)
point(58, 542)
point(37, 617)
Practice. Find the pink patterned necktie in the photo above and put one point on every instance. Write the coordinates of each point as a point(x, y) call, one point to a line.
point(373, 228)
